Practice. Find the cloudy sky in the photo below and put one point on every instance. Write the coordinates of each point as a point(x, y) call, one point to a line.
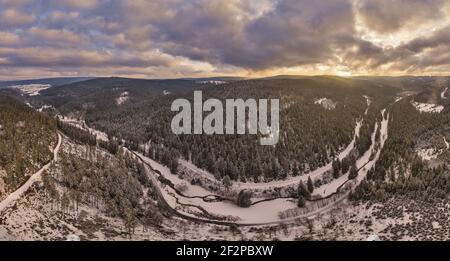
point(181, 38)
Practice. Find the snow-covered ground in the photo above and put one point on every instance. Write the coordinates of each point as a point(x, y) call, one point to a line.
point(44, 108)
point(122, 98)
point(31, 89)
point(82, 125)
point(428, 154)
point(326, 103)
point(35, 177)
point(428, 107)
point(212, 82)
point(443, 93)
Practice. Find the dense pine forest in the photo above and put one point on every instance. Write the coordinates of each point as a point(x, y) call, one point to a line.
point(27, 139)
point(311, 134)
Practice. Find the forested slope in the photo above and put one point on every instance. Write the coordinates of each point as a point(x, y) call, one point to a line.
point(27, 139)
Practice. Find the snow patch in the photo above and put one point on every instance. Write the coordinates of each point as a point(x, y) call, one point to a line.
point(122, 98)
point(212, 82)
point(428, 107)
point(328, 104)
point(31, 89)
point(45, 107)
point(428, 154)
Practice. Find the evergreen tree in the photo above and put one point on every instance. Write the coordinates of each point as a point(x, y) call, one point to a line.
point(302, 191)
point(227, 182)
point(353, 173)
point(310, 185)
point(301, 202)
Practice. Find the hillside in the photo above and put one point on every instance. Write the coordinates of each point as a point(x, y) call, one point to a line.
point(27, 139)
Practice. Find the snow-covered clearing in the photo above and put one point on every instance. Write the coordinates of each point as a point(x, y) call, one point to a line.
point(44, 108)
point(35, 177)
point(212, 82)
point(326, 103)
point(428, 154)
point(443, 93)
point(122, 98)
point(428, 107)
point(31, 89)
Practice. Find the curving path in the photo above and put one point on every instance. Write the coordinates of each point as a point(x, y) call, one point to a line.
point(443, 93)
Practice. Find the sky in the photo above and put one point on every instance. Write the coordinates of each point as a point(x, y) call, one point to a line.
point(201, 38)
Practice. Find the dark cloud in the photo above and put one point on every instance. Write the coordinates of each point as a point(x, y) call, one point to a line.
point(172, 37)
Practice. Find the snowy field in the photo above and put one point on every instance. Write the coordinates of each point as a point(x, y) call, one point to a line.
point(122, 98)
point(428, 107)
point(31, 89)
point(212, 82)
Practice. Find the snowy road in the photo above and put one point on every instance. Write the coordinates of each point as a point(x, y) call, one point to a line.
point(13, 197)
point(443, 94)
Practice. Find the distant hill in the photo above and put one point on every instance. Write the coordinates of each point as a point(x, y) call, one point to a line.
point(222, 78)
point(50, 81)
